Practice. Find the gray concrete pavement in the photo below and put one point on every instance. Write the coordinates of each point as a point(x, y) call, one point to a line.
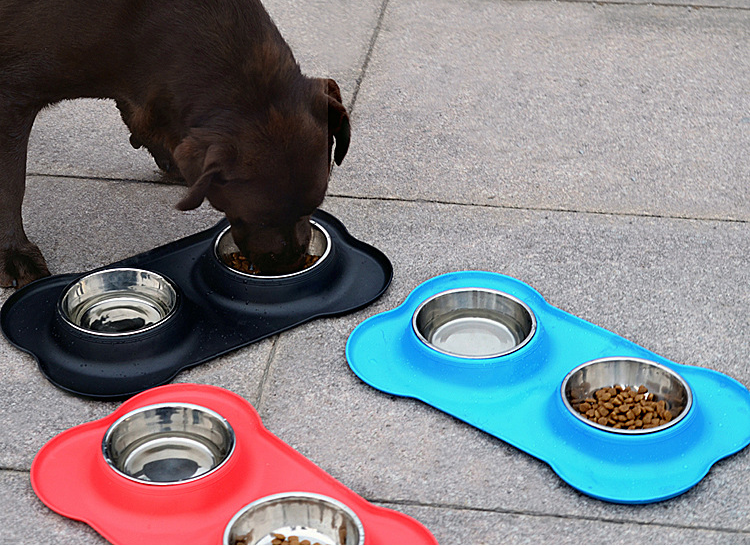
point(596, 151)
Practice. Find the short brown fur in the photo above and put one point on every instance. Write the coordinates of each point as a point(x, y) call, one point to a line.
point(211, 89)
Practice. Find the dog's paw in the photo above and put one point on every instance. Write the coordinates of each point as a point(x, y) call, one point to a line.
point(20, 266)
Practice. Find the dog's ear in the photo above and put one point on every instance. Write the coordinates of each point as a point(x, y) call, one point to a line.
point(338, 121)
point(201, 167)
point(197, 192)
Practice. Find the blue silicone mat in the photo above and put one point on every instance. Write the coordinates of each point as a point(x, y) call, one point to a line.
point(516, 397)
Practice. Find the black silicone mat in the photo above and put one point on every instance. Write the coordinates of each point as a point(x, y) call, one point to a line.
point(218, 311)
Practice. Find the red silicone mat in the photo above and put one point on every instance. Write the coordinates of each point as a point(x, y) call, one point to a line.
point(71, 476)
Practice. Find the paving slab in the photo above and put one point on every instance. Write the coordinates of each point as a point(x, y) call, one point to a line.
point(658, 282)
point(688, 4)
point(632, 109)
point(25, 520)
point(401, 449)
point(86, 137)
point(96, 222)
point(329, 39)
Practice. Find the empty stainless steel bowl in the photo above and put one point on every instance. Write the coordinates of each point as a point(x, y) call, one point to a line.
point(320, 245)
point(308, 516)
point(584, 380)
point(474, 323)
point(118, 302)
point(168, 443)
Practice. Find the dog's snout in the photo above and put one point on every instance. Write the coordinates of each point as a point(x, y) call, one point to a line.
point(274, 250)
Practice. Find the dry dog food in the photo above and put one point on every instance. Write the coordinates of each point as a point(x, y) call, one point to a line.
point(279, 538)
point(237, 261)
point(624, 408)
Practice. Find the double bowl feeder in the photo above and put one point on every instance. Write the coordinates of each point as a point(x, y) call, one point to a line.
point(135, 324)
point(120, 302)
point(612, 419)
point(197, 460)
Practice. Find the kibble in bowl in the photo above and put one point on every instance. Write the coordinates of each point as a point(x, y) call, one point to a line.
point(295, 518)
point(626, 395)
point(227, 253)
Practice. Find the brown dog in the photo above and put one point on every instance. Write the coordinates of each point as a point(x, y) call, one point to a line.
point(211, 89)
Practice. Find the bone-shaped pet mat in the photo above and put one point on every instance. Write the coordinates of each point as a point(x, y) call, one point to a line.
point(489, 350)
point(180, 305)
point(193, 464)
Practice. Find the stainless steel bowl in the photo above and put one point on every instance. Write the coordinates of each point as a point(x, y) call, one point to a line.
point(584, 380)
point(308, 516)
point(474, 323)
point(168, 443)
point(320, 245)
point(118, 302)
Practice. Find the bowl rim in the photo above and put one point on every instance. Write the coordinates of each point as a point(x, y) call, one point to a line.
point(170, 314)
point(635, 432)
point(506, 295)
point(296, 494)
point(110, 431)
point(261, 278)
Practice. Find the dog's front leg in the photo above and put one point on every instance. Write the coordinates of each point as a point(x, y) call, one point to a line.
point(20, 261)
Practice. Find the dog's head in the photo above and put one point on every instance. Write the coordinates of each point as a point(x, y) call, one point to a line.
point(269, 173)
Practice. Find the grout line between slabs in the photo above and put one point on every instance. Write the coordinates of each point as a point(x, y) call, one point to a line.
point(651, 4)
point(99, 178)
point(15, 470)
point(264, 379)
point(540, 209)
point(620, 521)
point(368, 55)
point(443, 202)
point(521, 513)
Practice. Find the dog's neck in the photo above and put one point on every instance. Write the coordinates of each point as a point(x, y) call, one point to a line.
point(218, 90)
